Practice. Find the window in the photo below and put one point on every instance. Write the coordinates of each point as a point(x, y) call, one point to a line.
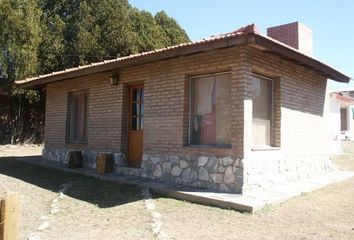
point(262, 114)
point(78, 108)
point(210, 117)
point(137, 108)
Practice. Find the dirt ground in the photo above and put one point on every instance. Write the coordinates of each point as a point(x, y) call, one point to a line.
point(94, 209)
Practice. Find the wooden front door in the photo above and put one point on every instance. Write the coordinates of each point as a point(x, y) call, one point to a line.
point(136, 124)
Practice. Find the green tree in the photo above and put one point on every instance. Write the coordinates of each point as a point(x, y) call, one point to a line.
point(84, 31)
point(52, 46)
point(90, 30)
point(173, 31)
point(148, 34)
point(84, 44)
point(116, 36)
point(19, 40)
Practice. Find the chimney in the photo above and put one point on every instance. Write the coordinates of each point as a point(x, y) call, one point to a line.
point(295, 35)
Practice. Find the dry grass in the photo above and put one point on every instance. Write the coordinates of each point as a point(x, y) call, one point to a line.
point(323, 214)
point(91, 209)
point(345, 161)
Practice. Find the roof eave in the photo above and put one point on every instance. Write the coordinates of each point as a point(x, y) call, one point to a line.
point(157, 56)
point(253, 39)
point(302, 59)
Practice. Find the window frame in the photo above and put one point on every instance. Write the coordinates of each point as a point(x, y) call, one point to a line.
point(141, 102)
point(272, 113)
point(71, 112)
point(190, 79)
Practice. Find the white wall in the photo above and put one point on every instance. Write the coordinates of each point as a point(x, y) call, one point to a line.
point(350, 122)
point(334, 125)
point(334, 118)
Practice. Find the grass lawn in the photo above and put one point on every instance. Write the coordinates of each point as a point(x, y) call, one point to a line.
point(95, 209)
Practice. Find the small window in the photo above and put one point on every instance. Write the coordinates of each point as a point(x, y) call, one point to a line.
point(137, 108)
point(210, 113)
point(78, 109)
point(262, 113)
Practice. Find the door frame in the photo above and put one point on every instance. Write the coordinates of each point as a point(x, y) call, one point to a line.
point(130, 113)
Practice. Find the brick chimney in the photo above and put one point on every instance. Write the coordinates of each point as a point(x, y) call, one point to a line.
point(295, 34)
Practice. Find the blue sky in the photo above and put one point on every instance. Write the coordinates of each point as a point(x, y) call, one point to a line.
point(330, 20)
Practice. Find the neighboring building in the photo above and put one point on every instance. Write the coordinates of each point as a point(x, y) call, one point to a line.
point(341, 118)
point(233, 112)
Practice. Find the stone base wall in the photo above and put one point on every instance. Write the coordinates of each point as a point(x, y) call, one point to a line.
point(89, 156)
point(265, 170)
point(259, 171)
point(222, 174)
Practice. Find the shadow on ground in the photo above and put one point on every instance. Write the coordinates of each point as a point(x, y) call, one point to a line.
point(102, 193)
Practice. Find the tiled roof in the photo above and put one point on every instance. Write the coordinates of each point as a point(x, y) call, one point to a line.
point(250, 30)
point(342, 97)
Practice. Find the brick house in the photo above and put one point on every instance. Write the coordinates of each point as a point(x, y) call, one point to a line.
point(234, 112)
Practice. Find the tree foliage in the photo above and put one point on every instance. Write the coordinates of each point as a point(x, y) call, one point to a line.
point(84, 31)
point(20, 36)
point(41, 36)
point(173, 32)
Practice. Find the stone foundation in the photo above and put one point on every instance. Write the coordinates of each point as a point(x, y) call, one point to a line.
point(89, 156)
point(222, 174)
point(259, 171)
point(264, 170)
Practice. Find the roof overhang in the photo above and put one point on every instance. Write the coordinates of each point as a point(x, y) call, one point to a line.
point(344, 100)
point(251, 39)
point(299, 58)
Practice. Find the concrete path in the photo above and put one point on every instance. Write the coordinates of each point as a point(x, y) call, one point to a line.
point(248, 203)
point(20, 150)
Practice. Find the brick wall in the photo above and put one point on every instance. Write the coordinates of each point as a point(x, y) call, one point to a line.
point(299, 125)
point(166, 100)
point(105, 113)
point(303, 139)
